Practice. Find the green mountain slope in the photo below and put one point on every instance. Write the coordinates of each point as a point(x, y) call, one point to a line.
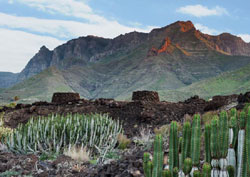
point(39, 87)
point(234, 82)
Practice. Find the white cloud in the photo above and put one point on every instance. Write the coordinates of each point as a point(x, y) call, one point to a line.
point(66, 29)
point(206, 30)
point(18, 47)
point(202, 11)
point(10, 1)
point(245, 37)
point(32, 32)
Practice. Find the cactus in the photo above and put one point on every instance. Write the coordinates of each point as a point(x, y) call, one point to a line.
point(207, 143)
point(180, 151)
point(195, 142)
point(234, 126)
point(175, 172)
point(247, 142)
point(206, 170)
point(214, 147)
point(158, 156)
point(241, 142)
point(173, 146)
point(197, 173)
point(187, 166)
point(154, 169)
point(233, 112)
point(186, 143)
point(223, 134)
point(230, 170)
point(231, 157)
point(146, 166)
point(244, 171)
point(166, 173)
point(223, 143)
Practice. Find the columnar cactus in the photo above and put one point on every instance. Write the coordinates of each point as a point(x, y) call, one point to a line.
point(173, 146)
point(147, 165)
point(230, 170)
point(248, 142)
point(175, 172)
point(214, 147)
point(223, 144)
point(206, 170)
point(231, 156)
point(187, 166)
point(197, 173)
point(195, 142)
point(233, 112)
point(154, 169)
point(186, 144)
point(207, 143)
point(241, 142)
point(158, 156)
point(180, 151)
point(166, 173)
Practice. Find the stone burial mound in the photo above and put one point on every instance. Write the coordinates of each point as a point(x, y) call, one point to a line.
point(145, 96)
point(65, 97)
point(145, 109)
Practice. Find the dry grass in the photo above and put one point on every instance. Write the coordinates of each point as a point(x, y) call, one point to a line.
point(123, 141)
point(78, 154)
point(208, 116)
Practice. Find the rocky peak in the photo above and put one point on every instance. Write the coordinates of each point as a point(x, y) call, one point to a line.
point(184, 25)
point(43, 48)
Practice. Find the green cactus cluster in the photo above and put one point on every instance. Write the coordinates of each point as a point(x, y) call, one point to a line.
point(221, 134)
point(57, 132)
point(155, 168)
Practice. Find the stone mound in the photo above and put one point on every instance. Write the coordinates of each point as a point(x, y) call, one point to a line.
point(145, 96)
point(65, 97)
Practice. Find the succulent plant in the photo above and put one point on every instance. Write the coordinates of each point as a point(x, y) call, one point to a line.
point(195, 140)
point(173, 147)
point(57, 132)
point(207, 143)
point(206, 170)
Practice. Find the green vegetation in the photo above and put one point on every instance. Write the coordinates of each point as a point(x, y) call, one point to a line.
point(227, 83)
point(53, 134)
point(38, 88)
point(218, 146)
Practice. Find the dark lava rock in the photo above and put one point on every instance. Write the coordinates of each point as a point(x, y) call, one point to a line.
point(65, 97)
point(244, 98)
point(145, 96)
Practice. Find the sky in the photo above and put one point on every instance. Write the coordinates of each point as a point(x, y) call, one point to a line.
point(26, 25)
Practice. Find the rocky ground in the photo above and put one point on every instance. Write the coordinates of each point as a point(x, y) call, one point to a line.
point(144, 111)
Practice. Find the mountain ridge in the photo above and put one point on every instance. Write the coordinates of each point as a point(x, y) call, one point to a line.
point(166, 58)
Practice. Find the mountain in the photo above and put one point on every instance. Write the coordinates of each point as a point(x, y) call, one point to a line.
point(167, 58)
point(7, 79)
point(38, 87)
point(227, 83)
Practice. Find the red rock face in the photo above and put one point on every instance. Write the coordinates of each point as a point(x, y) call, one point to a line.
point(165, 45)
point(163, 49)
point(186, 26)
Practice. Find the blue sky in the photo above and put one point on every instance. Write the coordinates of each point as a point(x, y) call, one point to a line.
point(26, 25)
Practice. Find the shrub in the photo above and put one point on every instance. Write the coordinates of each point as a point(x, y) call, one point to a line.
point(96, 132)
